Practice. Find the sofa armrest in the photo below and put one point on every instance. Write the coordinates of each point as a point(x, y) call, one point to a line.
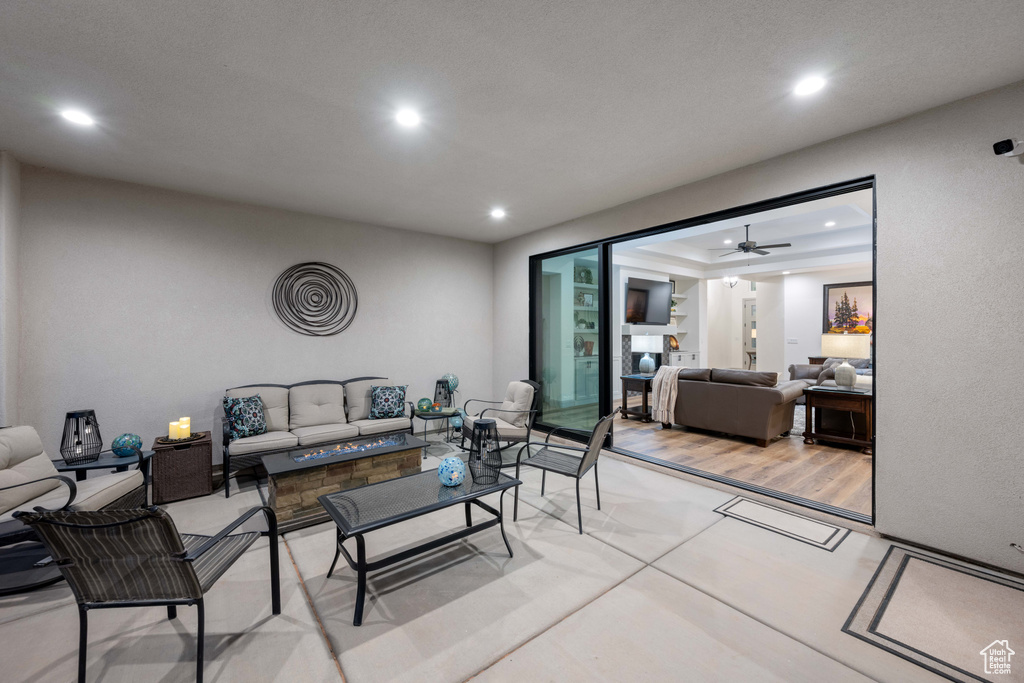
point(791, 390)
point(804, 371)
point(225, 423)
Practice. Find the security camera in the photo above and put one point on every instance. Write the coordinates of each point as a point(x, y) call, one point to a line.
point(1008, 148)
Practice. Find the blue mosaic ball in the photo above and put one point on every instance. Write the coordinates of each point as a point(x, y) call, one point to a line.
point(452, 471)
point(453, 381)
point(423, 405)
point(456, 422)
point(122, 445)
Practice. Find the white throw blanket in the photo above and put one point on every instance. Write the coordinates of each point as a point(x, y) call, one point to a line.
point(664, 389)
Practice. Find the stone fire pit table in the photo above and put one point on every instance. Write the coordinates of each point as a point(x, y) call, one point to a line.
point(298, 477)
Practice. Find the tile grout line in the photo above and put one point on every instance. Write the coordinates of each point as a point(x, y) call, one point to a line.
point(581, 607)
point(763, 623)
point(312, 607)
point(600, 595)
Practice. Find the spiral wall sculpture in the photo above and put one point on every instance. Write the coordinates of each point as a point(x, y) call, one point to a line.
point(316, 299)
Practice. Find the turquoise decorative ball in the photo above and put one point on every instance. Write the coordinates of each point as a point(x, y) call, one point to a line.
point(122, 446)
point(456, 422)
point(453, 381)
point(424, 404)
point(452, 471)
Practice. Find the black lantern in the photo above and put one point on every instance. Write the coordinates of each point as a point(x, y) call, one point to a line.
point(484, 453)
point(81, 442)
point(443, 393)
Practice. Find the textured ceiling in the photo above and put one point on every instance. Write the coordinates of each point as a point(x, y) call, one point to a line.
point(701, 250)
point(550, 109)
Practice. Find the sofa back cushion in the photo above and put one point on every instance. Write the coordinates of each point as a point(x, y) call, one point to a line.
point(357, 395)
point(275, 404)
point(696, 374)
point(751, 378)
point(22, 459)
point(312, 405)
point(518, 396)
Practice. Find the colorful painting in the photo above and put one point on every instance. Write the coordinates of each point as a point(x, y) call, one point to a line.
point(849, 308)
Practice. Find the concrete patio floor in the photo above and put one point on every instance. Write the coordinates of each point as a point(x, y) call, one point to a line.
point(659, 587)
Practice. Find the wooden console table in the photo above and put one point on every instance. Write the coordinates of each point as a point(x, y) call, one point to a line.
point(832, 398)
point(643, 384)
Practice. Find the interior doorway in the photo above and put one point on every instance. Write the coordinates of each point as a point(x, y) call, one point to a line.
point(750, 332)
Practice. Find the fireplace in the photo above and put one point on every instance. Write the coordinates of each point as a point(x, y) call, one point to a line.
point(635, 368)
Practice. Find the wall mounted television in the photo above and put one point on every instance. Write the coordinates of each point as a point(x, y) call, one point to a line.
point(648, 302)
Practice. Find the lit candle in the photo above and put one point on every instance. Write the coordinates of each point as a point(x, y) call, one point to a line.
point(184, 429)
point(173, 430)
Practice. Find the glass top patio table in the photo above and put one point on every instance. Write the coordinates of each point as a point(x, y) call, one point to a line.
point(373, 506)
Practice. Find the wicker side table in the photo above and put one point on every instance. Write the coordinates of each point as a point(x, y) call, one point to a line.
point(182, 470)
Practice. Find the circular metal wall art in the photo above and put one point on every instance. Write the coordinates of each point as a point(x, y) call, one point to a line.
point(315, 299)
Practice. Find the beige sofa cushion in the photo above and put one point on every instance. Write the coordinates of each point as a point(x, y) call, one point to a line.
point(324, 433)
point(22, 459)
point(380, 425)
point(357, 394)
point(316, 404)
point(518, 396)
point(506, 430)
point(268, 441)
point(275, 404)
point(92, 494)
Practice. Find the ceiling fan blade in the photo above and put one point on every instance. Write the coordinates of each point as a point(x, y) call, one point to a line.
point(722, 249)
point(773, 246)
point(728, 252)
point(762, 252)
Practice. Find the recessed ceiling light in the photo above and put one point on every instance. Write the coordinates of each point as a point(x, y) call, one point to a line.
point(728, 241)
point(78, 116)
point(830, 224)
point(785, 272)
point(809, 86)
point(497, 213)
point(407, 118)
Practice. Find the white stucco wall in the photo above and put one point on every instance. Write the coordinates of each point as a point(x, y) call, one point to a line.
point(145, 304)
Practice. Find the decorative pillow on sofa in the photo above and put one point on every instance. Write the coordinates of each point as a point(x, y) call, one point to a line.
point(245, 416)
point(387, 401)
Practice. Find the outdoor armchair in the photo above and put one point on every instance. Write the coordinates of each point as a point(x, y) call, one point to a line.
point(137, 558)
point(569, 461)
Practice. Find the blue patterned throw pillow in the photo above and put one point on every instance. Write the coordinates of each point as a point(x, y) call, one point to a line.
point(387, 402)
point(245, 416)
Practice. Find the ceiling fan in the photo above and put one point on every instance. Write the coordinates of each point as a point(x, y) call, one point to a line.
point(747, 247)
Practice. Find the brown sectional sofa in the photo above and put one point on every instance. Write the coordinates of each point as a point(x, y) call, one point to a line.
point(740, 402)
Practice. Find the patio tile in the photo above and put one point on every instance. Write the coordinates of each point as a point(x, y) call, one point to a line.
point(643, 513)
point(448, 614)
point(798, 589)
point(654, 628)
point(244, 642)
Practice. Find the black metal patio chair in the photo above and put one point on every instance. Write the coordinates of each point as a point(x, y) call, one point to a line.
point(514, 425)
point(565, 460)
point(137, 558)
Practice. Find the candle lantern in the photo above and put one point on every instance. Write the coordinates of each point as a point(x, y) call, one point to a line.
point(81, 442)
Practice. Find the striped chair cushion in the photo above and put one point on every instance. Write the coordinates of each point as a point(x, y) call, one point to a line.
point(117, 555)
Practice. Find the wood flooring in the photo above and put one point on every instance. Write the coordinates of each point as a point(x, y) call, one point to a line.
point(836, 476)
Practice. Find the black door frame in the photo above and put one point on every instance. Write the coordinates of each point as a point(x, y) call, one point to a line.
point(604, 247)
point(603, 333)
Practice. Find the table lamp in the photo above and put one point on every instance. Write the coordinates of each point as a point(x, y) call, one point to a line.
point(846, 346)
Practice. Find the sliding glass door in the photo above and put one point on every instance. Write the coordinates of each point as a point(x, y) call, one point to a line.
point(569, 337)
